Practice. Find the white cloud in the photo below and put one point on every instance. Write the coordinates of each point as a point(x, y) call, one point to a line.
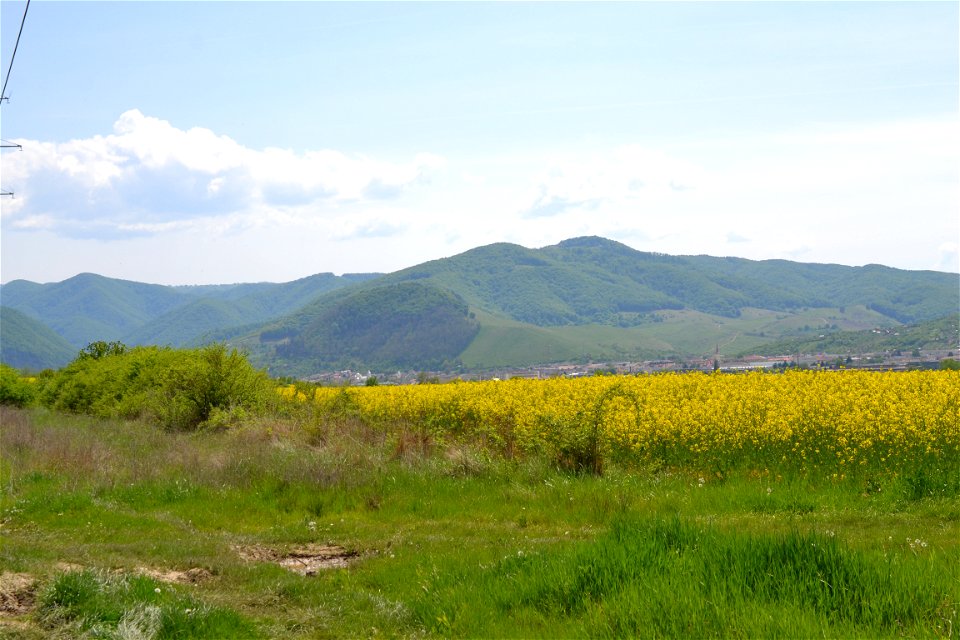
point(885, 193)
point(150, 177)
point(629, 174)
point(34, 222)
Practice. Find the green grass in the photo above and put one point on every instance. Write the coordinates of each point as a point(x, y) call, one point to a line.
point(672, 577)
point(100, 604)
point(452, 542)
point(502, 342)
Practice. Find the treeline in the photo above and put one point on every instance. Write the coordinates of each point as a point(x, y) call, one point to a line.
point(182, 389)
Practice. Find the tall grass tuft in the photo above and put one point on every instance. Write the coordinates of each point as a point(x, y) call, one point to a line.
point(669, 577)
point(123, 606)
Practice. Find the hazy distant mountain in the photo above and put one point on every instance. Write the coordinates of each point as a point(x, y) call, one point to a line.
point(90, 307)
point(501, 305)
point(26, 343)
point(238, 306)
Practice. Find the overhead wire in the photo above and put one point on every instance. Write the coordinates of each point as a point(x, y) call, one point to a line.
point(3, 93)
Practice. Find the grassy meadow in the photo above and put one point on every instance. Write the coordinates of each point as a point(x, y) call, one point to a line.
point(327, 514)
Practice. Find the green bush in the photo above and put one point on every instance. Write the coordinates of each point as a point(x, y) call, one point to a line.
point(214, 387)
point(949, 364)
point(179, 388)
point(15, 390)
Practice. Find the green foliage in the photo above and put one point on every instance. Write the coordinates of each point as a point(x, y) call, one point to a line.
point(949, 364)
point(15, 390)
point(213, 389)
point(425, 378)
point(182, 389)
point(100, 349)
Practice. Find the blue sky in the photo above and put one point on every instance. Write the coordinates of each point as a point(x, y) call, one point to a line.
point(212, 142)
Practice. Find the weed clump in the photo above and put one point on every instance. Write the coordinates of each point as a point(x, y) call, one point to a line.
point(133, 606)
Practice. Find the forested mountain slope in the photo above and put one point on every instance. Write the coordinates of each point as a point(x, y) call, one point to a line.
point(90, 307)
point(26, 343)
point(500, 305)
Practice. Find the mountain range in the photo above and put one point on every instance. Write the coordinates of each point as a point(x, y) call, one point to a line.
point(494, 306)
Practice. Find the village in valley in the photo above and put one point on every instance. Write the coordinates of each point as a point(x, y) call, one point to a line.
point(895, 360)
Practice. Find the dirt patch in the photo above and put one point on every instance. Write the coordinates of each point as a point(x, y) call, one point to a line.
point(18, 593)
point(306, 560)
point(190, 576)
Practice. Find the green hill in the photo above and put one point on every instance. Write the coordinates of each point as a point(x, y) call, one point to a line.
point(397, 326)
point(88, 307)
point(239, 305)
point(595, 299)
point(26, 343)
point(594, 280)
point(582, 299)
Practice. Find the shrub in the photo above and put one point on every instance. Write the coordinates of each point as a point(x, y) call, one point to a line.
point(14, 389)
point(211, 388)
point(179, 388)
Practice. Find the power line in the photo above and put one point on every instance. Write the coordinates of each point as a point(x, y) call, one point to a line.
point(3, 93)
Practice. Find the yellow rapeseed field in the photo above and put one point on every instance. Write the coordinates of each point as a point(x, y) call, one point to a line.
point(839, 422)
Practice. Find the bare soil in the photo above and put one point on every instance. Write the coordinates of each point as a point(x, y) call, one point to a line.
point(190, 576)
point(18, 593)
point(306, 560)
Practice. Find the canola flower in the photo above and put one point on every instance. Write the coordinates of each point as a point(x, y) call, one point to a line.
point(838, 422)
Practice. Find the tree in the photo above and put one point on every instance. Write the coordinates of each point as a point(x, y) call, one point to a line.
point(100, 349)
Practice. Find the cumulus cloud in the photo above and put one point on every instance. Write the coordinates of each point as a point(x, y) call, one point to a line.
point(148, 177)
